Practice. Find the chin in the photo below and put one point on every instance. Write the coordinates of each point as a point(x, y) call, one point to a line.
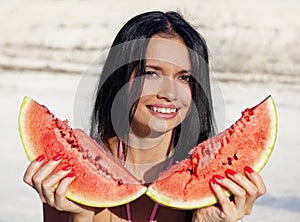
point(159, 126)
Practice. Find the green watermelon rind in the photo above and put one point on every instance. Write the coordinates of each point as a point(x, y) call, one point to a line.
point(69, 194)
point(169, 202)
point(76, 198)
point(22, 134)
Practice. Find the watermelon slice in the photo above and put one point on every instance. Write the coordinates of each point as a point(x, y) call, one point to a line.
point(101, 181)
point(249, 141)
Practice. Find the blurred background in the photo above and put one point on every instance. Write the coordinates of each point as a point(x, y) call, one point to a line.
point(46, 45)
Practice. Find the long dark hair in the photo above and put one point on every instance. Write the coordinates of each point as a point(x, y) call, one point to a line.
point(127, 54)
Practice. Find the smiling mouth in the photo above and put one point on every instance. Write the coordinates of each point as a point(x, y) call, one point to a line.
point(163, 110)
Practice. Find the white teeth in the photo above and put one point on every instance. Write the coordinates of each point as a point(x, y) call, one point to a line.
point(163, 110)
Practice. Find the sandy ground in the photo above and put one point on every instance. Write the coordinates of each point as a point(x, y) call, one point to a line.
point(45, 42)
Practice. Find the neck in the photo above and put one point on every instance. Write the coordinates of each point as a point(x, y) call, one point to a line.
point(149, 150)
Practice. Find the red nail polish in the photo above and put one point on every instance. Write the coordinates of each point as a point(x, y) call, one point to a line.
point(248, 169)
point(230, 172)
point(67, 167)
point(213, 181)
point(70, 175)
point(218, 177)
point(40, 158)
point(57, 157)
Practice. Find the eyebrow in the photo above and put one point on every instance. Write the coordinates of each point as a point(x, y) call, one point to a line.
point(160, 69)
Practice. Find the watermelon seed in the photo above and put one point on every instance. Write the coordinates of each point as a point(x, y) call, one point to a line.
point(229, 160)
point(235, 157)
point(120, 182)
point(70, 140)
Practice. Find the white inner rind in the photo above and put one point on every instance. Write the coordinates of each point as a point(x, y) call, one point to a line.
point(272, 137)
point(166, 201)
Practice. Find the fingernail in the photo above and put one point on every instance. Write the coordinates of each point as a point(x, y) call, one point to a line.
point(248, 169)
point(57, 157)
point(213, 181)
point(70, 175)
point(218, 177)
point(40, 158)
point(230, 172)
point(67, 167)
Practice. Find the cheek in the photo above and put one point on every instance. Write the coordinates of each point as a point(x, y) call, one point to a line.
point(186, 101)
point(185, 96)
point(143, 99)
point(150, 88)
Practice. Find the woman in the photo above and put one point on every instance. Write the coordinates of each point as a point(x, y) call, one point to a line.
point(152, 105)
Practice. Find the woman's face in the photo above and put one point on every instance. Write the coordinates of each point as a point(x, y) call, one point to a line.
point(166, 95)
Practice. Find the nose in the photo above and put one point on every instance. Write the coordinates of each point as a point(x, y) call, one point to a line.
point(167, 89)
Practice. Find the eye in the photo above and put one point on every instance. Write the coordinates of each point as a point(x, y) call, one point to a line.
point(185, 78)
point(151, 74)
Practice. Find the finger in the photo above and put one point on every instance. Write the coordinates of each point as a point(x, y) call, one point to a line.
point(221, 196)
point(32, 169)
point(49, 185)
point(60, 193)
point(246, 185)
point(238, 192)
point(43, 173)
point(257, 180)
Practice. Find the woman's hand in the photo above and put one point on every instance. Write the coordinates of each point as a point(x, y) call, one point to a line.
point(245, 190)
point(52, 187)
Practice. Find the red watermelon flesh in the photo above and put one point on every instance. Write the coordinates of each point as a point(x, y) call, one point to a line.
point(248, 142)
point(100, 180)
